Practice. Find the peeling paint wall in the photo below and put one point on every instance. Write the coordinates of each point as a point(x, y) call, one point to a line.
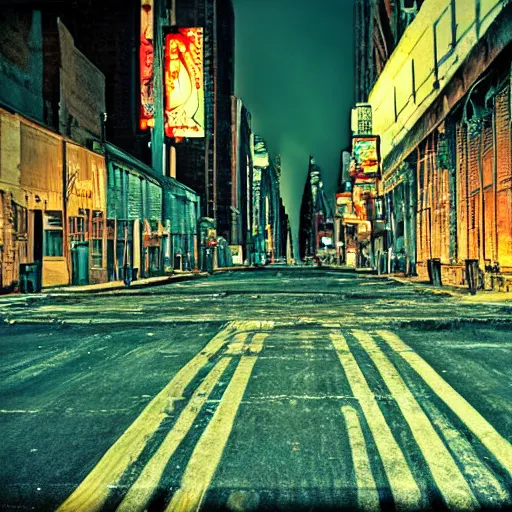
point(31, 184)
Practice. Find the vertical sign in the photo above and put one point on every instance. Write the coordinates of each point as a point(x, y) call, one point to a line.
point(146, 58)
point(366, 155)
point(184, 89)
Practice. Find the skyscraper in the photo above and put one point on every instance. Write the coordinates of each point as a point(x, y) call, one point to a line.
point(204, 164)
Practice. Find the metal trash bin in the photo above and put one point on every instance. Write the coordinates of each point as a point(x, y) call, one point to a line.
point(30, 277)
point(126, 274)
point(472, 273)
point(434, 271)
point(79, 263)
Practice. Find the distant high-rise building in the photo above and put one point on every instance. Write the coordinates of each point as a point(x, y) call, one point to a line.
point(204, 164)
point(316, 216)
point(110, 34)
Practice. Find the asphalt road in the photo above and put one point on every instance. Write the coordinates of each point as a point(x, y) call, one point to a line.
point(279, 389)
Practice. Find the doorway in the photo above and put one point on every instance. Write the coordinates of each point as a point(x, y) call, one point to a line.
point(38, 235)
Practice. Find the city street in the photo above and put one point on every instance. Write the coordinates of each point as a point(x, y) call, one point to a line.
point(272, 389)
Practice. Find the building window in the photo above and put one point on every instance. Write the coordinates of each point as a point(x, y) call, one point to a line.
point(98, 226)
point(77, 229)
point(52, 245)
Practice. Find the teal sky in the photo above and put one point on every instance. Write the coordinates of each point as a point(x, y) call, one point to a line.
point(294, 72)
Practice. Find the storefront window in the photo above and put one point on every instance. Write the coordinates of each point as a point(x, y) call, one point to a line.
point(77, 229)
point(52, 234)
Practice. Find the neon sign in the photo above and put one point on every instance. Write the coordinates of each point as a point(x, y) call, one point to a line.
point(146, 58)
point(184, 89)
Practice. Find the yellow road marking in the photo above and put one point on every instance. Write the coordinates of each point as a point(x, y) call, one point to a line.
point(481, 477)
point(91, 494)
point(404, 488)
point(142, 490)
point(367, 494)
point(449, 480)
point(210, 447)
point(256, 345)
point(237, 345)
point(481, 428)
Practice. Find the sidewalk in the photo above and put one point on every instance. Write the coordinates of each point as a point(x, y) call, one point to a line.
point(459, 292)
point(456, 291)
point(119, 285)
point(238, 268)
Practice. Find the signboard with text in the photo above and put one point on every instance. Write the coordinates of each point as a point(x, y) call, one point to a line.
point(184, 87)
point(366, 155)
point(146, 58)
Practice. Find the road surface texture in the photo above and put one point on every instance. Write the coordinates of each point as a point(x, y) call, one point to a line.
point(279, 389)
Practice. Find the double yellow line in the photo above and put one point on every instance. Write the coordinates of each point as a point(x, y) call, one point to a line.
point(438, 454)
point(94, 490)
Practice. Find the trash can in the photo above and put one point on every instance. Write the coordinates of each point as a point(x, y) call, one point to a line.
point(207, 260)
point(135, 274)
point(472, 272)
point(126, 274)
point(79, 263)
point(436, 272)
point(30, 277)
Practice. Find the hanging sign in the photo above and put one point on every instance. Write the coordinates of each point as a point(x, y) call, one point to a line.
point(146, 58)
point(184, 87)
point(366, 155)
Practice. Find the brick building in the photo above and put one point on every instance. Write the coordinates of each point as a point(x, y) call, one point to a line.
point(440, 100)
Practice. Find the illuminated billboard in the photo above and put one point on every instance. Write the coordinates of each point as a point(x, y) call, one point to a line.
point(366, 155)
point(146, 58)
point(184, 89)
point(343, 198)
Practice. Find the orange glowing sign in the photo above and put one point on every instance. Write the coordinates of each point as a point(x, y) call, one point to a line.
point(184, 89)
point(146, 57)
point(366, 155)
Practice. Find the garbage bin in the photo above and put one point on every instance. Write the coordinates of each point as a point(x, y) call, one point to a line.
point(30, 277)
point(436, 272)
point(79, 263)
point(472, 272)
point(135, 274)
point(126, 274)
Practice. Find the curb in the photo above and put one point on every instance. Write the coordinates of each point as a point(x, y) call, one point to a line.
point(482, 297)
point(176, 278)
point(427, 288)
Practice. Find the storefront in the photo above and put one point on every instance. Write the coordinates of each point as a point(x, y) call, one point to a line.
point(86, 214)
point(31, 204)
point(135, 240)
point(180, 214)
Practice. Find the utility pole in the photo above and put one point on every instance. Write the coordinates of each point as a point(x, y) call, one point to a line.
point(158, 148)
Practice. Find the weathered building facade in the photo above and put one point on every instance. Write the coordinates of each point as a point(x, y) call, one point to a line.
point(441, 106)
point(31, 201)
point(76, 209)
